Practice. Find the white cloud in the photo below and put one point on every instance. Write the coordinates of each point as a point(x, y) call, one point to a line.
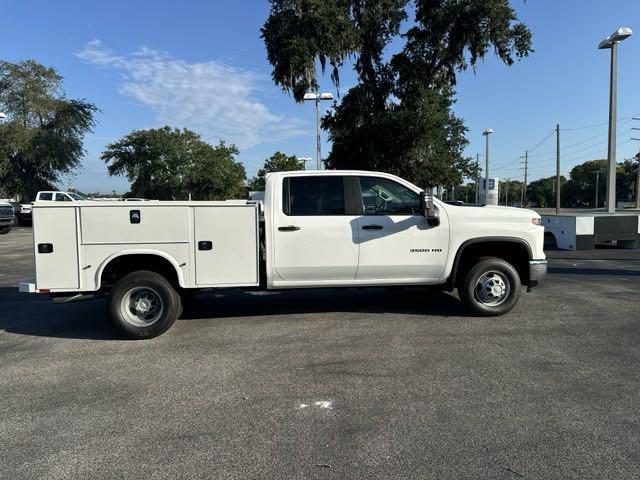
point(211, 98)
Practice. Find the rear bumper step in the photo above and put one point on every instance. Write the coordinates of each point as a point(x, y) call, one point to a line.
point(28, 286)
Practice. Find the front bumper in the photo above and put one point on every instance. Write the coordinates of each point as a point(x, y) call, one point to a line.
point(7, 221)
point(537, 273)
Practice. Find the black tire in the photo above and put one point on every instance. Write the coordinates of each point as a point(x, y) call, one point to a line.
point(154, 292)
point(480, 295)
point(5, 230)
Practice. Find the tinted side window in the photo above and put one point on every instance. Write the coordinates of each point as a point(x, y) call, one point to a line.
point(313, 196)
point(386, 197)
point(46, 196)
point(61, 197)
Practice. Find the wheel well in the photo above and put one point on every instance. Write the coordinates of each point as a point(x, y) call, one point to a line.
point(125, 264)
point(516, 253)
point(550, 240)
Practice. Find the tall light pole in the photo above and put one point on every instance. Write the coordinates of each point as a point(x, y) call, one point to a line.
point(317, 97)
point(611, 43)
point(486, 133)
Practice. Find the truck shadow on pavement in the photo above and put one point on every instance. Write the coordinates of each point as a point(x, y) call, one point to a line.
point(36, 315)
point(409, 301)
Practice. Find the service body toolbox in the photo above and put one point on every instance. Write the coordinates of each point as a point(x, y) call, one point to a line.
point(210, 244)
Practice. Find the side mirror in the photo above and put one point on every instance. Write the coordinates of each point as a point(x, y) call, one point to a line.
point(429, 209)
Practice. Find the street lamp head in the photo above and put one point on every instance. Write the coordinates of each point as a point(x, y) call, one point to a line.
point(488, 131)
point(616, 37)
point(317, 96)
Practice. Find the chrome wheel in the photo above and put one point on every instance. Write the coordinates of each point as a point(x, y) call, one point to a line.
point(141, 306)
point(492, 289)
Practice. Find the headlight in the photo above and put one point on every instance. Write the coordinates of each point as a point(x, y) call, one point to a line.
point(536, 221)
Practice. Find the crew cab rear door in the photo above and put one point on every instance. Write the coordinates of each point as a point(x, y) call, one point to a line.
point(397, 245)
point(313, 235)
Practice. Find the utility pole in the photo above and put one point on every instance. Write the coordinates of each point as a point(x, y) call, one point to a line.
point(477, 178)
point(597, 172)
point(486, 133)
point(638, 186)
point(523, 198)
point(558, 169)
point(637, 168)
point(506, 192)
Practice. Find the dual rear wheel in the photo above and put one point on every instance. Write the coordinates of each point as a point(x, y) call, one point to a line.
point(143, 304)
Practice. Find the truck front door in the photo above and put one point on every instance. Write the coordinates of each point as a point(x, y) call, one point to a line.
point(396, 243)
point(313, 236)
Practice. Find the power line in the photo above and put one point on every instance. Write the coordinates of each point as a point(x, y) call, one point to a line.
point(570, 151)
point(585, 127)
point(547, 162)
point(543, 140)
point(571, 145)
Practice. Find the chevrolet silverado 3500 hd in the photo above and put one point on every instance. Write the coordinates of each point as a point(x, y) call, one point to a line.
point(314, 229)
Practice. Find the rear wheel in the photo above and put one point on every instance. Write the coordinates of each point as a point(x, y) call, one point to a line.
point(143, 304)
point(492, 287)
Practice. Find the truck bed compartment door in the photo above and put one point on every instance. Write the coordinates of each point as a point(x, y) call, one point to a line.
point(55, 236)
point(226, 245)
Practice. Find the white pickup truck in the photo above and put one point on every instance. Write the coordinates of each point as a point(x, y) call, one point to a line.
point(24, 216)
point(314, 229)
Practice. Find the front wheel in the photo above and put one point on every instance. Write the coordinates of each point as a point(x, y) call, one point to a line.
point(4, 230)
point(491, 288)
point(143, 305)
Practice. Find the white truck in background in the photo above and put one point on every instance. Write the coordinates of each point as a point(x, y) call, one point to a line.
point(314, 229)
point(25, 214)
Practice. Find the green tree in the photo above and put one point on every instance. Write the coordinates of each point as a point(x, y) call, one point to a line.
point(278, 162)
point(398, 117)
point(581, 186)
point(466, 193)
point(165, 163)
point(541, 192)
point(510, 192)
point(42, 139)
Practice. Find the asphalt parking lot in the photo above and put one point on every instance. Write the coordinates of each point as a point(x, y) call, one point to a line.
point(365, 384)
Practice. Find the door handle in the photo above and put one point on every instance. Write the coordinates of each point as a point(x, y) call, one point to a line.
point(205, 245)
point(372, 227)
point(288, 228)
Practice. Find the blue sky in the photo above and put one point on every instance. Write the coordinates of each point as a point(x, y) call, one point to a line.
point(201, 65)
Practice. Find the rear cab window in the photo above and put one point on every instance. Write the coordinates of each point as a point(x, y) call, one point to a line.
point(313, 195)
